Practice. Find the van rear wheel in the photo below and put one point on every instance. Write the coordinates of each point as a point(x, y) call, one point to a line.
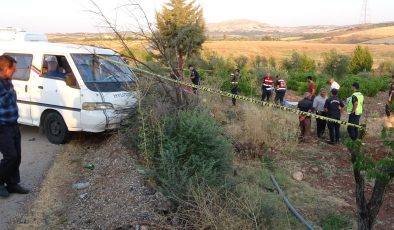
point(55, 129)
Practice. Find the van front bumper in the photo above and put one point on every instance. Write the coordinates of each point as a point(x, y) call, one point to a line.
point(102, 120)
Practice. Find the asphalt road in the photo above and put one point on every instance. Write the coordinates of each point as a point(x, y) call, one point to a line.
point(37, 156)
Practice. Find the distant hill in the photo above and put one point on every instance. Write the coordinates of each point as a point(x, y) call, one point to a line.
point(379, 33)
point(250, 28)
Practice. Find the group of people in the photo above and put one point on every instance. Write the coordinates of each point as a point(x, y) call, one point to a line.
point(331, 107)
point(268, 87)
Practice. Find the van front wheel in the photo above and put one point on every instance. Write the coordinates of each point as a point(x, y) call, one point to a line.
point(55, 129)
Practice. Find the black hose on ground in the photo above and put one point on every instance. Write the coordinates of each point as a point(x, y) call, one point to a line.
point(291, 208)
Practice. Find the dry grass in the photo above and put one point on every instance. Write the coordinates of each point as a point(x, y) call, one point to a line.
point(250, 124)
point(373, 33)
point(283, 49)
point(357, 35)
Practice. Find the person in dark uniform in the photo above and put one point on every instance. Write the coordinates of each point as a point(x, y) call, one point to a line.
point(194, 76)
point(10, 137)
point(389, 104)
point(234, 84)
point(333, 107)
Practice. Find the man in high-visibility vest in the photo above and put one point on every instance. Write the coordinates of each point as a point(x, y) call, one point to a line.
point(355, 109)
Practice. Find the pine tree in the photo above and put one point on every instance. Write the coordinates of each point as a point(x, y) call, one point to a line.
point(181, 27)
point(361, 60)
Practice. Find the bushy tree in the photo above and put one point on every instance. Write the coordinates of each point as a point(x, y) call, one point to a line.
point(259, 62)
point(361, 60)
point(334, 64)
point(241, 61)
point(272, 62)
point(299, 62)
point(386, 68)
point(180, 29)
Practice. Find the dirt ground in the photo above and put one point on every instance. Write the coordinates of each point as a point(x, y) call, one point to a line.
point(334, 172)
point(117, 197)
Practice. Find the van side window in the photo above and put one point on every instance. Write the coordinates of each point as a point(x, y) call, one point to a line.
point(55, 67)
point(23, 66)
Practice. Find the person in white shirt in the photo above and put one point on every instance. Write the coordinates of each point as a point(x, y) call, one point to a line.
point(334, 84)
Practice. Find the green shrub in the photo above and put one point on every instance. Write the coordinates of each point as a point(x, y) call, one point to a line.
point(334, 64)
point(369, 86)
point(336, 222)
point(299, 62)
point(194, 152)
point(248, 85)
point(361, 60)
point(386, 68)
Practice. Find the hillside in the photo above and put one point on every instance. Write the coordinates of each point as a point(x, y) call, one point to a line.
point(379, 33)
point(250, 28)
point(371, 34)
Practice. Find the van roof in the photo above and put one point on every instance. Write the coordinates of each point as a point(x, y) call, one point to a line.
point(51, 48)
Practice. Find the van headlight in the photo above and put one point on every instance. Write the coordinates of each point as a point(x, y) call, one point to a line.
point(97, 106)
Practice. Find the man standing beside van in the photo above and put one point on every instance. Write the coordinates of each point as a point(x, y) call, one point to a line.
point(10, 137)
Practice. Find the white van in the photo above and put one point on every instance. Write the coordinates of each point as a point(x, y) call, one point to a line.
point(63, 88)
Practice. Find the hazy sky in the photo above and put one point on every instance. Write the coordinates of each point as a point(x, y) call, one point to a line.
point(71, 15)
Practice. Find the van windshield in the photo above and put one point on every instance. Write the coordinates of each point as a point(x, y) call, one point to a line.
point(99, 71)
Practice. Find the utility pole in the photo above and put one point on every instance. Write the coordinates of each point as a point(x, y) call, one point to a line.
point(364, 16)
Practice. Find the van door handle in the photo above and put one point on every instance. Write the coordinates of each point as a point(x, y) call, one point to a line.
point(40, 87)
point(25, 88)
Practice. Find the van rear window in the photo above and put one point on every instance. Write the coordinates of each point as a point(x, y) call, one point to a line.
point(23, 65)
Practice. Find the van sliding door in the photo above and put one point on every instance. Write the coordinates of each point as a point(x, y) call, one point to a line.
point(20, 81)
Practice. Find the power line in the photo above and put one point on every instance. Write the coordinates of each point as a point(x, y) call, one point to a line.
point(365, 13)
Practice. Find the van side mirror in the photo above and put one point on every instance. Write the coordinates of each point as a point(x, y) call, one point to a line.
point(71, 81)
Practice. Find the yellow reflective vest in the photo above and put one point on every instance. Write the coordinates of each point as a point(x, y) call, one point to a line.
point(359, 109)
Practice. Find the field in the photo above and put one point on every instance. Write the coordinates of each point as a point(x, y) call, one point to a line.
point(276, 49)
point(282, 49)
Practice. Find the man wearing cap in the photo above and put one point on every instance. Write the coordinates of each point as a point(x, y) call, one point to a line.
point(355, 109)
point(10, 137)
point(53, 68)
point(333, 107)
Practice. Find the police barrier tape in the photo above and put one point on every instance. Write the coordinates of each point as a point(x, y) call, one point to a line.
point(238, 97)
